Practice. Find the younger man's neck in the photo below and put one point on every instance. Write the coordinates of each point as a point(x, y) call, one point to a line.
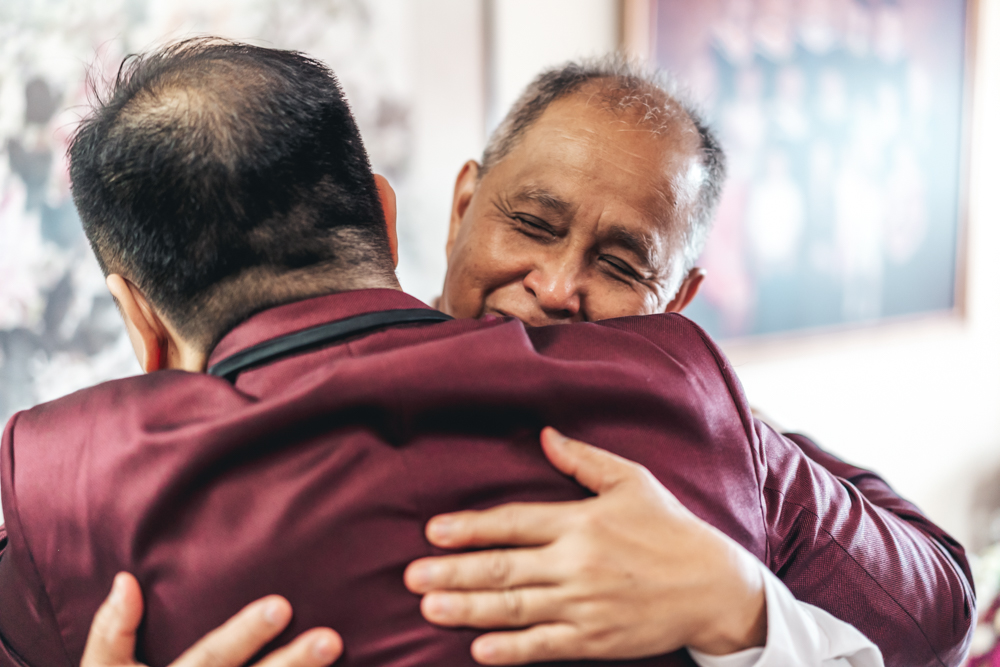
point(235, 300)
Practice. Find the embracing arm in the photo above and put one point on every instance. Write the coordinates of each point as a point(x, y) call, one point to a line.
point(30, 634)
point(878, 492)
point(112, 638)
point(628, 573)
point(799, 634)
point(910, 589)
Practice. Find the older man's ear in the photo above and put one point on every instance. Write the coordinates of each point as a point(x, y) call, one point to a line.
point(687, 291)
point(465, 187)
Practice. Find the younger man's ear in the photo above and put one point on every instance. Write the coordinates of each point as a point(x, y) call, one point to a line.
point(465, 187)
point(145, 329)
point(388, 197)
point(688, 290)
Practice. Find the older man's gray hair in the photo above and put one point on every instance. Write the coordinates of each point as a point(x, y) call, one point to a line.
point(626, 85)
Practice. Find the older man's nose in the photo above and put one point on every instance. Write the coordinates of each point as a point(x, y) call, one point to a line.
point(556, 292)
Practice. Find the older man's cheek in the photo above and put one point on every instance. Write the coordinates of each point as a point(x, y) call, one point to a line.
point(500, 261)
point(605, 302)
point(460, 298)
point(475, 272)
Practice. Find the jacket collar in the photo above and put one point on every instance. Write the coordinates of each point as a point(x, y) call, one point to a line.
point(292, 317)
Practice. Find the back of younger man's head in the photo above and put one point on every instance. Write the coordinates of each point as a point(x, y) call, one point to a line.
point(222, 178)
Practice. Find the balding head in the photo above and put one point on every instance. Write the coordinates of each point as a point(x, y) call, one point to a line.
point(223, 178)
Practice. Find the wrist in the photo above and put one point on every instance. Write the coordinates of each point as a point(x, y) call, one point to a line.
point(738, 619)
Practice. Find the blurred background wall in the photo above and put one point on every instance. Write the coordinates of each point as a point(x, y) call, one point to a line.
point(917, 400)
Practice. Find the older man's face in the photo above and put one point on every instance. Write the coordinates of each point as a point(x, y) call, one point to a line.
point(580, 222)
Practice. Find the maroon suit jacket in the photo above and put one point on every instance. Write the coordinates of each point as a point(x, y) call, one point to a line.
point(313, 477)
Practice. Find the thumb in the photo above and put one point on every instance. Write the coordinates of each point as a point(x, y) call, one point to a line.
point(597, 469)
point(111, 642)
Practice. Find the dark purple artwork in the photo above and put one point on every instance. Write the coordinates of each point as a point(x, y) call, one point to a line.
point(842, 121)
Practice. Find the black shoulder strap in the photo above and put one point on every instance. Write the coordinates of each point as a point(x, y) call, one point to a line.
point(319, 336)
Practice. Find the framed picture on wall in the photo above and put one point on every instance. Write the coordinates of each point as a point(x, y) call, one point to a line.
point(844, 125)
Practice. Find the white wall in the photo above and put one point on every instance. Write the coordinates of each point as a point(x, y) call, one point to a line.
point(448, 125)
point(530, 35)
point(467, 55)
point(919, 403)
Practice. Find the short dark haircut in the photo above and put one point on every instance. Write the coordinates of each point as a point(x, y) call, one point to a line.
point(212, 168)
point(624, 84)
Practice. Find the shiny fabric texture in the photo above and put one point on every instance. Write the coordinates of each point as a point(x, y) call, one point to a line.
point(313, 476)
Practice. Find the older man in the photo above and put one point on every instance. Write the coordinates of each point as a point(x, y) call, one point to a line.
point(614, 247)
point(593, 200)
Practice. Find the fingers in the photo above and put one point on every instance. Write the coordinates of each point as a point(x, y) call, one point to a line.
point(597, 469)
point(239, 638)
point(514, 524)
point(112, 635)
point(483, 570)
point(514, 608)
point(541, 643)
point(111, 642)
point(316, 648)
point(532, 524)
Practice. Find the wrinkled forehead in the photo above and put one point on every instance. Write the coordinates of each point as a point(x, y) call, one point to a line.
point(641, 104)
point(597, 150)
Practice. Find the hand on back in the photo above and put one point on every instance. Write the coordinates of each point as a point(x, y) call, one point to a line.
point(627, 574)
point(112, 638)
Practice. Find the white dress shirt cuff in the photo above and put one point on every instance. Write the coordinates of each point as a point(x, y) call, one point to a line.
point(799, 634)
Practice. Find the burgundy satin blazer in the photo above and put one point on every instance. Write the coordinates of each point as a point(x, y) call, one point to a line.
point(313, 476)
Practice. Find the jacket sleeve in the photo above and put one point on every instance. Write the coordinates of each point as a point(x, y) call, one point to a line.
point(29, 631)
point(878, 492)
point(841, 539)
point(7, 657)
point(875, 562)
point(799, 634)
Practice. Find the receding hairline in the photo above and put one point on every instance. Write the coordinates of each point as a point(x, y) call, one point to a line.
point(618, 86)
point(668, 120)
point(674, 146)
point(623, 86)
point(644, 104)
point(616, 95)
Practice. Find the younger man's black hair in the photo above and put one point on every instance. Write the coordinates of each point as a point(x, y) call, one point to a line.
point(215, 174)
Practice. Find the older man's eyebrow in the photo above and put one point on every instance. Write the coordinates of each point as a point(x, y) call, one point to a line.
point(543, 198)
point(641, 245)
